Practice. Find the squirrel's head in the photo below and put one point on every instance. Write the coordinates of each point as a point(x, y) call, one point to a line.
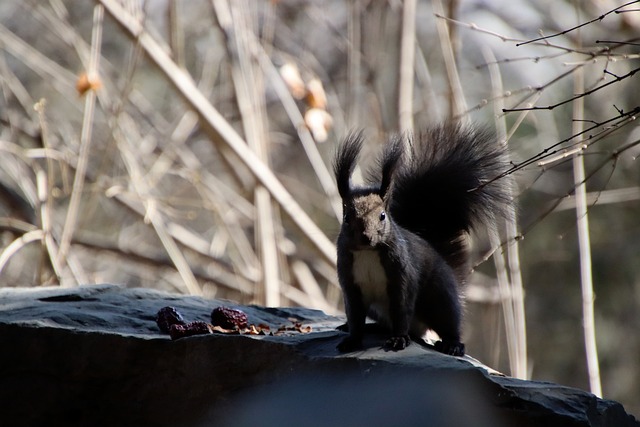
point(366, 221)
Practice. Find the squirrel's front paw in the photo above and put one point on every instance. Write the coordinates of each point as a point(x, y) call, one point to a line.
point(397, 343)
point(350, 344)
point(452, 348)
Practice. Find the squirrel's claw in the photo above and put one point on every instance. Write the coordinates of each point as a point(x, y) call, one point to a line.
point(452, 348)
point(397, 343)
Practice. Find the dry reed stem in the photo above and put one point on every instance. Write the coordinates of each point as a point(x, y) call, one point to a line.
point(407, 66)
point(457, 103)
point(249, 94)
point(584, 242)
point(354, 66)
point(510, 286)
point(176, 32)
point(92, 74)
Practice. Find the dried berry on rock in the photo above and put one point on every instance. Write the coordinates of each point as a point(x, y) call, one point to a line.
point(168, 316)
point(192, 328)
point(228, 318)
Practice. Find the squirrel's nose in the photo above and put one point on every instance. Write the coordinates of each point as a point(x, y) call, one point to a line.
point(369, 238)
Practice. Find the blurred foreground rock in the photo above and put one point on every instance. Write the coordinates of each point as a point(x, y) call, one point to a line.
point(94, 356)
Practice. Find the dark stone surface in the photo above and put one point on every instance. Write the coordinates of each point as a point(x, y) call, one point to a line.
point(94, 356)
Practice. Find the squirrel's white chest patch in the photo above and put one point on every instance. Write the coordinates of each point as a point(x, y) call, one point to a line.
point(369, 275)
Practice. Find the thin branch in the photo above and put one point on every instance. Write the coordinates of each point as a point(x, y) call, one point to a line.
point(581, 95)
point(627, 43)
point(616, 122)
point(564, 49)
point(475, 28)
point(560, 202)
point(599, 18)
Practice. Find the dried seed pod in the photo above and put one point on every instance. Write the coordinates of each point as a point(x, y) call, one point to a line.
point(316, 96)
point(186, 330)
point(319, 123)
point(86, 83)
point(168, 316)
point(228, 318)
point(291, 76)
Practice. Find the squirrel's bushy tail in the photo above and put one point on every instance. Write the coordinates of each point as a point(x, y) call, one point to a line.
point(445, 187)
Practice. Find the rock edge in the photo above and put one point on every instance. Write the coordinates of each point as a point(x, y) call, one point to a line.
point(93, 355)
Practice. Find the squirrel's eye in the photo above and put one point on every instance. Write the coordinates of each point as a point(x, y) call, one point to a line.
point(382, 216)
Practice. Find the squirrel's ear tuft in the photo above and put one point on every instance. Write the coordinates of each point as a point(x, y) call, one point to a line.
point(345, 161)
point(391, 156)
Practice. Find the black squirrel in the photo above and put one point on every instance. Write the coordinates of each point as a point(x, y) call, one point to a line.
point(402, 248)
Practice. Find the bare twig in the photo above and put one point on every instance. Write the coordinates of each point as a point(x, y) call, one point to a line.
point(601, 129)
point(578, 96)
point(599, 18)
point(474, 27)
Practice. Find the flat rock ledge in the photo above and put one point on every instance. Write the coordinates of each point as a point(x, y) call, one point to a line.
point(93, 356)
